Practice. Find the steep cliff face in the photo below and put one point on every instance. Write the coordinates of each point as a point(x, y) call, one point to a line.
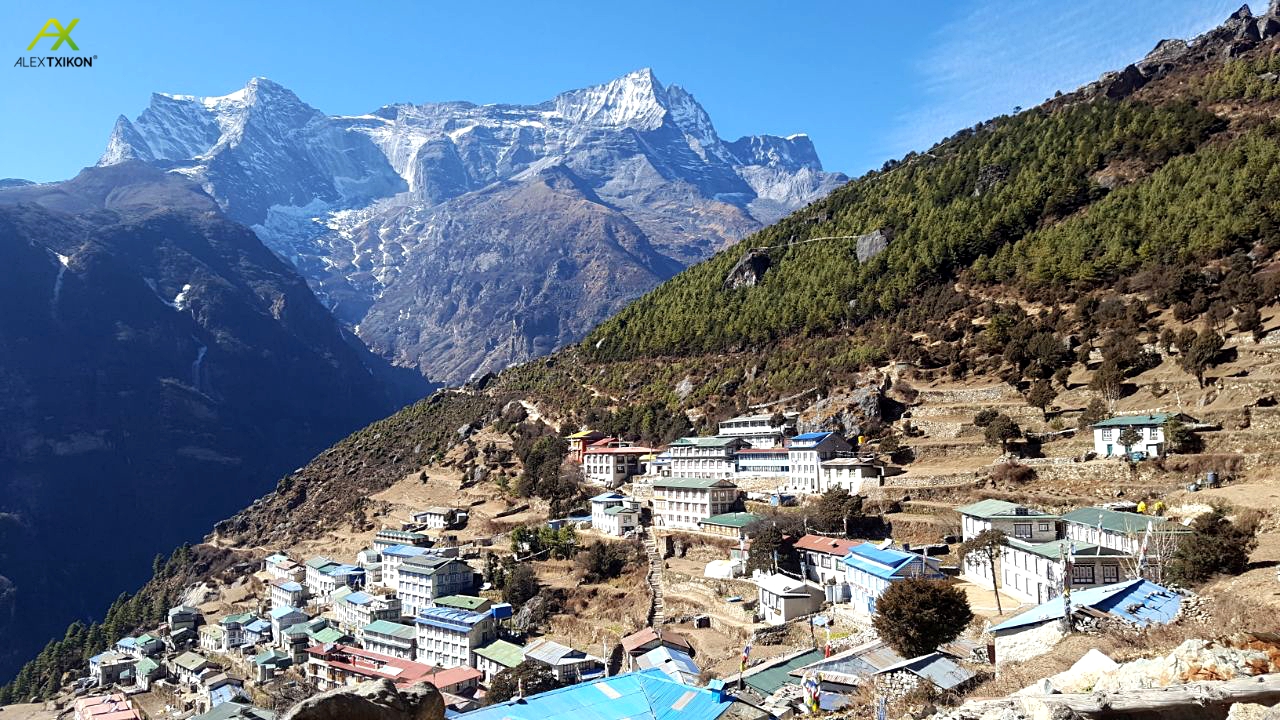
point(158, 368)
point(365, 205)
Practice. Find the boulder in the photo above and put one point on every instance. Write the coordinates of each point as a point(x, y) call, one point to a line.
point(873, 243)
point(749, 270)
point(374, 700)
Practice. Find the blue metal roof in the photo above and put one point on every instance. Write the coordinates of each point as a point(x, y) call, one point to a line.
point(290, 586)
point(258, 626)
point(1140, 602)
point(881, 563)
point(405, 551)
point(282, 611)
point(449, 618)
point(812, 436)
point(645, 695)
point(358, 598)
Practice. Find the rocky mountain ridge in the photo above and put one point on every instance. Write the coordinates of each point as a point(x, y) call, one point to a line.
point(460, 238)
point(161, 364)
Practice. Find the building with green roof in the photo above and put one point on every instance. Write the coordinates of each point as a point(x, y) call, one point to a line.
point(1149, 430)
point(731, 525)
point(497, 656)
point(680, 503)
point(390, 638)
point(465, 602)
point(1014, 520)
point(1034, 572)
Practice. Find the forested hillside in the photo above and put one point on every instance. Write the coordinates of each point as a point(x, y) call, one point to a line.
point(1095, 236)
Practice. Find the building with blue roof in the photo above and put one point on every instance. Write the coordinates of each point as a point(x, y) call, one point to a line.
point(805, 455)
point(1136, 602)
point(285, 617)
point(287, 593)
point(448, 637)
point(646, 694)
point(356, 609)
point(870, 570)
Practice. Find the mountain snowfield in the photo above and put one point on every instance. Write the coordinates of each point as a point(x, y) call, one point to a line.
point(460, 238)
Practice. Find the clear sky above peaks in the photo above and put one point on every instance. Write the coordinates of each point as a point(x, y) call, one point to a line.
point(867, 81)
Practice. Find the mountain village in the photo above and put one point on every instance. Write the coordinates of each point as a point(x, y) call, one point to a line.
point(415, 605)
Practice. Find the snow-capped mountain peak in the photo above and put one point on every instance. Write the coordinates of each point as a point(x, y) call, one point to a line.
point(361, 202)
point(636, 100)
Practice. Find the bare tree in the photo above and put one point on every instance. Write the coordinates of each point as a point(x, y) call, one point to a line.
point(987, 547)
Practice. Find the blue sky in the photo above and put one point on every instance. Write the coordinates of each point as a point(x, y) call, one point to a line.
point(868, 81)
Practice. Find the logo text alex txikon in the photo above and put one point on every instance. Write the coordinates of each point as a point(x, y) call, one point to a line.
point(60, 34)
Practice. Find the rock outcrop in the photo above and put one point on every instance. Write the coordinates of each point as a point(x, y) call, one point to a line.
point(374, 700)
point(873, 243)
point(749, 271)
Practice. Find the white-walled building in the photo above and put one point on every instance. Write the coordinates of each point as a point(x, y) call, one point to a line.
point(390, 638)
point(784, 598)
point(822, 558)
point(1149, 427)
point(870, 571)
point(806, 453)
point(287, 593)
point(281, 566)
point(1122, 531)
point(854, 475)
point(611, 462)
point(772, 462)
point(436, 518)
point(705, 457)
point(448, 637)
point(393, 557)
point(423, 579)
point(679, 503)
point(614, 514)
point(568, 665)
point(325, 575)
point(1016, 521)
point(357, 609)
point(1032, 572)
point(760, 431)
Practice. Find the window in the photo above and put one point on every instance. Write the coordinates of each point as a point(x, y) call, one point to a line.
point(1106, 433)
point(1022, 530)
point(1044, 527)
point(1110, 573)
point(1082, 575)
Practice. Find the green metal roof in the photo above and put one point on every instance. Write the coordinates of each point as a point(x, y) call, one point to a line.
point(1131, 420)
point(1055, 548)
point(1121, 522)
point(988, 509)
point(766, 682)
point(190, 661)
point(394, 629)
point(329, 635)
point(502, 652)
point(689, 482)
point(734, 519)
point(618, 510)
point(466, 602)
point(145, 666)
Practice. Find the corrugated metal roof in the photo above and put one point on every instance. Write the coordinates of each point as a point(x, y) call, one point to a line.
point(689, 482)
point(1120, 522)
point(502, 652)
point(1137, 601)
point(449, 618)
point(549, 651)
point(936, 668)
point(706, 441)
point(394, 629)
point(1135, 420)
point(734, 519)
point(647, 694)
point(767, 678)
point(1001, 508)
point(670, 661)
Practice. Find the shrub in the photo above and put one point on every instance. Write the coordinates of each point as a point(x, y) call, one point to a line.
point(603, 561)
point(1216, 545)
point(522, 585)
point(915, 616)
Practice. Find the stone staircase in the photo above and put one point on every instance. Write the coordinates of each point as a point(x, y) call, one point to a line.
point(654, 579)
